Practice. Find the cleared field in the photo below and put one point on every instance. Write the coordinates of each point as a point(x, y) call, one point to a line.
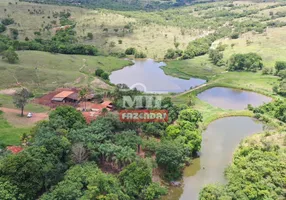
point(41, 71)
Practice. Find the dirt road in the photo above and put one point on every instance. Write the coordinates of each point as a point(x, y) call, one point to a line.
point(13, 117)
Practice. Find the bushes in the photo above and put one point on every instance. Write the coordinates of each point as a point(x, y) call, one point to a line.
point(234, 36)
point(133, 51)
point(10, 55)
point(173, 54)
point(245, 62)
point(130, 51)
point(98, 72)
point(216, 57)
point(7, 21)
point(101, 73)
point(267, 71)
point(2, 28)
point(140, 55)
point(280, 65)
point(62, 42)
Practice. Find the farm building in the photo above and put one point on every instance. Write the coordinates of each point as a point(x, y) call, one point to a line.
point(66, 96)
point(108, 105)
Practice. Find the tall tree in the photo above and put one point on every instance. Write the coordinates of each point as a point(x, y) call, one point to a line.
point(83, 95)
point(20, 99)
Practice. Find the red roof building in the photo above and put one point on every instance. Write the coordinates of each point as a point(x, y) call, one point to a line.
point(15, 149)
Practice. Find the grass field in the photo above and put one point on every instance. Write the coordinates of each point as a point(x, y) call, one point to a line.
point(10, 135)
point(271, 45)
point(7, 102)
point(41, 71)
point(150, 32)
point(198, 67)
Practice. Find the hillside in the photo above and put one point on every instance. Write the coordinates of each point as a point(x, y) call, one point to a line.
point(117, 5)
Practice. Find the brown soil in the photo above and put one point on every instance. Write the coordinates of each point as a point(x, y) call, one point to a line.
point(13, 117)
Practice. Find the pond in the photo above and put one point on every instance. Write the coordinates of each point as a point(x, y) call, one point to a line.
point(227, 98)
point(219, 142)
point(147, 75)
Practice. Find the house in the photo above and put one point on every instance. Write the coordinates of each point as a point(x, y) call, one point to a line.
point(66, 96)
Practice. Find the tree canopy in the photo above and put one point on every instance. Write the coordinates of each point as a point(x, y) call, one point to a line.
point(245, 62)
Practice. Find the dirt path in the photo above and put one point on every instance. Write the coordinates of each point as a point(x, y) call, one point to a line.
point(12, 116)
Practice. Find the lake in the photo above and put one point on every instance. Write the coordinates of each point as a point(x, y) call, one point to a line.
point(147, 75)
point(220, 140)
point(228, 98)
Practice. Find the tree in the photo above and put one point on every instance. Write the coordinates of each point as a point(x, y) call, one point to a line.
point(190, 115)
point(79, 153)
point(98, 72)
point(10, 55)
point(136, 177)
point(68, 115)
point(211, 192)
point(31, 171)
point(20, 99)
point(9, 191)
point(83, 95)
point(215, 56)
point(130, 51)
point(280, 65)
point(170, 157)
point(245, 62)
point(128, 138)
point(153, 191)
point(282, 73)
point(86, 181)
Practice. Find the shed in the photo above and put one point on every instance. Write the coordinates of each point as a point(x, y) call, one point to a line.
point(65, 95)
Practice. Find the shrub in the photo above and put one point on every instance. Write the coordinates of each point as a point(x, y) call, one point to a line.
point(173, 54)
point(280, 65)
point(7, 21)
point(130, 51)
point(267, 70)
point(90, 36)
point(2, 28)
point(140, 55)
point(234, 36)
point(105, 76)
point(98, 72)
